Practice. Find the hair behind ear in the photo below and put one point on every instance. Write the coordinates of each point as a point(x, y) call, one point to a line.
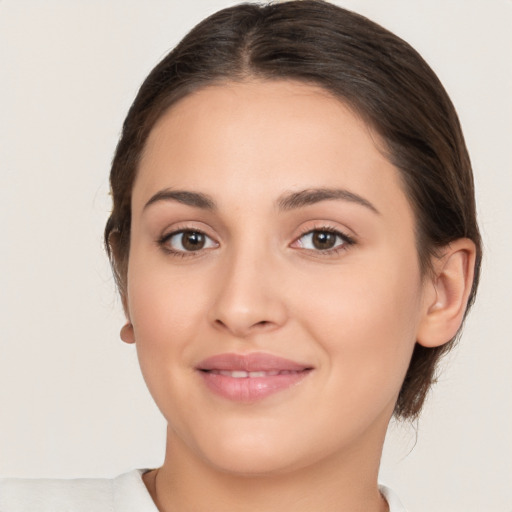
point(449, 286)
point(119, 262)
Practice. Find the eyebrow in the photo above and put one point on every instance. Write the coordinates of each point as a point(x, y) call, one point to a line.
point(286, 202)
point(196, 199)
point(315, 195)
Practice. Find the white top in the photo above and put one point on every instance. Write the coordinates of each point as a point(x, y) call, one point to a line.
point(126, 493)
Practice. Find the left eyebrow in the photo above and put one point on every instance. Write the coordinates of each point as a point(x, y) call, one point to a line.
point(315, 195)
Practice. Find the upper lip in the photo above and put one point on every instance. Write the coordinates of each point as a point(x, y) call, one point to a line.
point(253, 362)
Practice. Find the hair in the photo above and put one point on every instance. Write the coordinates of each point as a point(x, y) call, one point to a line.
point(377, 74)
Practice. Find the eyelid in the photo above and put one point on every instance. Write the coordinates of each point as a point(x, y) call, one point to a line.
point(347, 239)
point(168, 234)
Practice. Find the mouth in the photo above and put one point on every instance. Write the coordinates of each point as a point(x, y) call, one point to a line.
point(250, 377)
point(241, 374)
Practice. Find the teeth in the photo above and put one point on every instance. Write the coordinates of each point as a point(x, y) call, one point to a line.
point(258, 374)
point(240, 374)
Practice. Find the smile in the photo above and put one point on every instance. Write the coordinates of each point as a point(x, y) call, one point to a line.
point(250, 377)
point(240, 374)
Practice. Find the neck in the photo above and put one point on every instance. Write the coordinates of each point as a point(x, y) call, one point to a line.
point(186, 483)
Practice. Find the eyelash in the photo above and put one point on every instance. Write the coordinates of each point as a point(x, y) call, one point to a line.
point(347, 240)
point(163, 242)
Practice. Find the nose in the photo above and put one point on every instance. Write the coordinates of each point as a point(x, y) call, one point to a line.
point(249, 296)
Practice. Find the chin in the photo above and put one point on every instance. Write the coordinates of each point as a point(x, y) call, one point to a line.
point(250, 455)
point(258, 465)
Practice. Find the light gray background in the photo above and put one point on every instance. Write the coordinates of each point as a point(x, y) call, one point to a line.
point(72, 401)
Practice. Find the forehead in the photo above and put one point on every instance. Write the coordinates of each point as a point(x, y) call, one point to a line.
point(279, 112)
point(266, 136)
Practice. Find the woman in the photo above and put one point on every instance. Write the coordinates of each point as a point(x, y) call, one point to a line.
point(295, 242)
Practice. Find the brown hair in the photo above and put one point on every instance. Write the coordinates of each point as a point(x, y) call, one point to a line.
point(373, 71)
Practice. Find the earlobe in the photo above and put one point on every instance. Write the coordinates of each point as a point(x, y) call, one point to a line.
point(127, 334)
point(447, 293)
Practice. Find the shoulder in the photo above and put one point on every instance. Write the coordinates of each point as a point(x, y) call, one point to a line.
point(126, 492)
point(394, 503)
point(24, 495)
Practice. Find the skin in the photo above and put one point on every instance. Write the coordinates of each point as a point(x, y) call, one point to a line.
point(353, 313)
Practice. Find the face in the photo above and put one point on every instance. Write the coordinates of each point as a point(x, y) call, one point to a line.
point(273, 279)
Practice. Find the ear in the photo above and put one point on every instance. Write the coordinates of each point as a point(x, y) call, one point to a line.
point(446, 293)
point(127, 333)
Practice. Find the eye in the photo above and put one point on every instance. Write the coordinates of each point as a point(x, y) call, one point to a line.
point(324, 240)
point(187, 241)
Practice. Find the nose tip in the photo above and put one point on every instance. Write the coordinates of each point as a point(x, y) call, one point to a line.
point(248, 301)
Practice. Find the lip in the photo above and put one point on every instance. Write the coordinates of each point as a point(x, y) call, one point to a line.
point(229, 375)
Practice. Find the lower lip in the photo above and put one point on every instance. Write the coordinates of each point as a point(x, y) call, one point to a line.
point(250, 389)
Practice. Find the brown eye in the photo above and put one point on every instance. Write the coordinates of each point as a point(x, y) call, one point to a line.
point(188, 241)
point(192, 240)
point(323, 240)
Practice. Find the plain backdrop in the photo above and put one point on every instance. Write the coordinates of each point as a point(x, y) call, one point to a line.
point(72, 400)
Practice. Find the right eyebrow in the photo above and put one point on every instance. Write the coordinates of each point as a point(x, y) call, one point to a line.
point(195, 199)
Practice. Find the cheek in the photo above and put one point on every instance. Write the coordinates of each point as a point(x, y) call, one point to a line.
point(366, 322)
point(165, 311)
point(163, 305)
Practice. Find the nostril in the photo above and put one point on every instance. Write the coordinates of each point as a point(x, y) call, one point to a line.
point(220, 323)
point(243, 328)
